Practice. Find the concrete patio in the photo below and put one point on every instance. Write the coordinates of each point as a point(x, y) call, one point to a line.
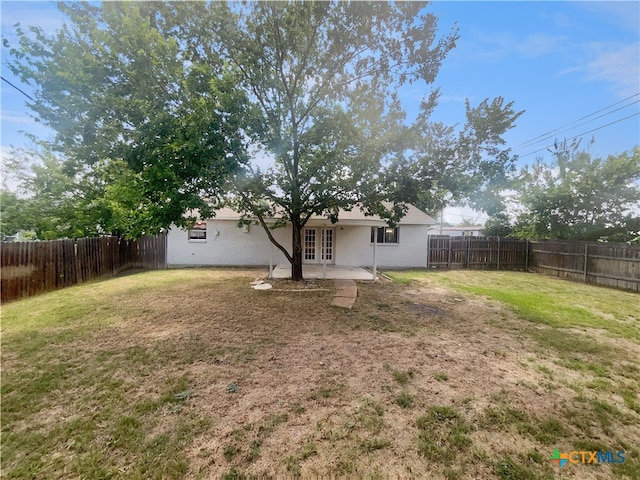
point(318, 271)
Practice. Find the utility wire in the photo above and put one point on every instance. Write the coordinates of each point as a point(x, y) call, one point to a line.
point(583, 133)
point(19, 89)
point(583, 123)
point(581, 118)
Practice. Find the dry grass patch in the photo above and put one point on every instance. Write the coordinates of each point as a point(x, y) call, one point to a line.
point(192, 374)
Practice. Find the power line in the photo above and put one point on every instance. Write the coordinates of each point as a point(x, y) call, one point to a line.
point(581, 118)
point(583, 123)
point(19, 89)
point(584, 133)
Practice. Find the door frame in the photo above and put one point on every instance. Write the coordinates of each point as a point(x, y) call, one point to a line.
point(313, 245)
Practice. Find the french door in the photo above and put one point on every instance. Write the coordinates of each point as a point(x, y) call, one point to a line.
point(318, 245)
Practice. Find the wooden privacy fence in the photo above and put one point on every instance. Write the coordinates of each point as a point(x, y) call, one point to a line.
point(608, 264)
point(30, 268)
point(444, 251)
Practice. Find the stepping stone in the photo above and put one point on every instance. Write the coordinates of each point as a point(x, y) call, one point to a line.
point(346, 293)
point(342, 302)
point(349, 292)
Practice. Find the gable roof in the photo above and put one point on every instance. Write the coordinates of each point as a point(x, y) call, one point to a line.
point(414, 216)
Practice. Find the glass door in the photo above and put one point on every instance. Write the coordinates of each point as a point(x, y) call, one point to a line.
point(309, 239)
point(326, 253)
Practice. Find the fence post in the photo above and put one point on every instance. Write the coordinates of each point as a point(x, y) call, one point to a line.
point(498, 253)
point(586, 256)
point(428, 249)
point(466, 259)
point(526, 257)
point(449, 257)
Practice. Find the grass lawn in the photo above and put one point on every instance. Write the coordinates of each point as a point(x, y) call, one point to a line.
point(191, 374)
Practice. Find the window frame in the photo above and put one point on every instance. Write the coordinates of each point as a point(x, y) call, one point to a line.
point(201, 228)
point(380, 235)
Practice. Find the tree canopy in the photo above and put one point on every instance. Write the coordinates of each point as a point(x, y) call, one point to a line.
point(169, 103)
point(324, 77)
point(115, 84)
point(576, 196)
point(581, 197)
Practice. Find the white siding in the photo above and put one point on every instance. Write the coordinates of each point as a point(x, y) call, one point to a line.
point(354, 247)
point(411, 251)
point(234, 247)
point(230, 247)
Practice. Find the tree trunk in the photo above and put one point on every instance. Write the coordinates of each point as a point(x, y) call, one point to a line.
point(296, 250)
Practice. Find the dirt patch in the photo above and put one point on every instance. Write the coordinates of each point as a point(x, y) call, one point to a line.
point(426, 310)
point(291, 386)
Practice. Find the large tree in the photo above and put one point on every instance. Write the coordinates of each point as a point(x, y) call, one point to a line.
point(177, 94)
point(56, 201)
point(580, 197)
point(117, 85)
point(325, 77)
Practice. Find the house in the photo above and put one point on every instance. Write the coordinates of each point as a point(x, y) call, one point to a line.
point(220, 241)
point(468, 231)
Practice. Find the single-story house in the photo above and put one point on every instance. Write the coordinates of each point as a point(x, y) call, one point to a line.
point(469, 231)
point(220, 241)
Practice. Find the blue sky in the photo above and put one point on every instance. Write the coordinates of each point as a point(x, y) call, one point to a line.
point(558, 61)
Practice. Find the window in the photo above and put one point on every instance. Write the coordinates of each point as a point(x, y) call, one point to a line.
point(385, 234)
point(309, 243)
point(198, 231)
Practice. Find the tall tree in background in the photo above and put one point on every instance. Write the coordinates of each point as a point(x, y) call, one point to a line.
point(116, 85)
point(580, 197)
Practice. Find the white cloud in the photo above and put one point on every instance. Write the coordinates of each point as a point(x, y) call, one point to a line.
point(42, 14)
point(17, 118)
point(618, 65)
point(621, 14)
point(501, 45)
point(453, 99)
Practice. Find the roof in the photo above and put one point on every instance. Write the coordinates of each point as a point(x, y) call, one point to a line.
point(461, 229)
point(414, 216)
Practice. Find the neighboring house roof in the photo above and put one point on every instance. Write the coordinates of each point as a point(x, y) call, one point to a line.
point(414, 216)
point(459, 229)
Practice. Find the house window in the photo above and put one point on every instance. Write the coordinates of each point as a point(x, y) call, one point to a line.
point(385, 234)
point(198, 231)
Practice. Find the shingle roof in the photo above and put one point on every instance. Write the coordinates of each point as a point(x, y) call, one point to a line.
point(414, 216)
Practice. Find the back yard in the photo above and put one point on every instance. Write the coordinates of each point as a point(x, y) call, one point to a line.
point(189, 373)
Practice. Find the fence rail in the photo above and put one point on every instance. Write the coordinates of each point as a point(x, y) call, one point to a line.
point(476, 252)
point(31, 268)
point(607, 264)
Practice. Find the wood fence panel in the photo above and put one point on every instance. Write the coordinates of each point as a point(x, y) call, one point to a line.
point(31, 268)
point(476, 252)
point(607, 264)
point(513, 253)
point(438, 251)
